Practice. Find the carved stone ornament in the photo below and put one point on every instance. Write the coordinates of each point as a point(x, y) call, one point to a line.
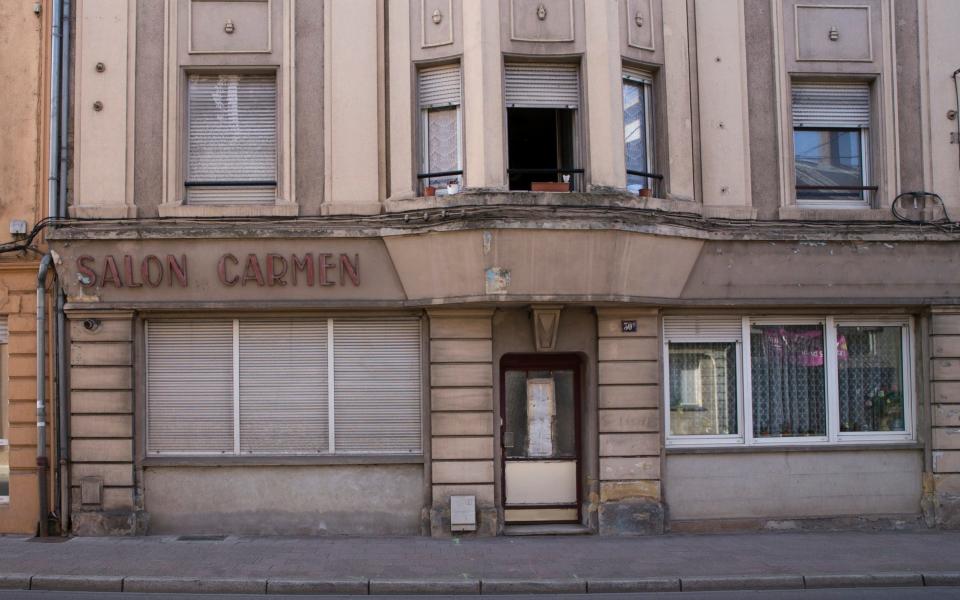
point(437, 16)
point(542, 12)
point(229, 27)
point(639, 19)
point(834, 34)
point(546, 325)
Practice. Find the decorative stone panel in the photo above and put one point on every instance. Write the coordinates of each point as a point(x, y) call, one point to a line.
point(629, 422)
point(461, 416)
point(436, 23)
point(541, 20)
point(833, 33)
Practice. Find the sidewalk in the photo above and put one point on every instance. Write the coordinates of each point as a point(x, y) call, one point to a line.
point(493, 565)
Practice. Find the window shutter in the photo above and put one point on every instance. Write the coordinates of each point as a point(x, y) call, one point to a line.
point(439, 86)
point(377, 385)
point(542, 85)
point(820, 105)
point(4, 331)
point(232, 137)
point(283, 386)
point(702, 329)
point(190, 387)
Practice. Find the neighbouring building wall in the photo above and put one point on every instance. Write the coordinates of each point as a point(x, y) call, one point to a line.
point(945, 413)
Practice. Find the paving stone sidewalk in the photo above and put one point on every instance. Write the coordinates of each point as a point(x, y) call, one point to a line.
point(500, 565)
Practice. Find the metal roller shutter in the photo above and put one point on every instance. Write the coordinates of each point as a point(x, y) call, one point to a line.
point(377, 385)
point(283, 386)
point(190, 387)
point(232, 137)
point(439, 86)
point(821, 105)
point(4, 331)
point(702, 329)
point(530, 85)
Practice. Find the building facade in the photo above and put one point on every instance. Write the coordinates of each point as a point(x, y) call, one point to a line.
point(425, 266)
point(25, 48)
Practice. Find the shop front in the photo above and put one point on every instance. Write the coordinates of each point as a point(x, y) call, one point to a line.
point(226, 381)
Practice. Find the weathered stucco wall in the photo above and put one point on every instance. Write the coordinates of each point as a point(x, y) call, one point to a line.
point(788, 485)
point(309, 500)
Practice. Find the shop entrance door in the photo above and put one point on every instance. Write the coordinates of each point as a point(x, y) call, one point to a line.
point(540, 408)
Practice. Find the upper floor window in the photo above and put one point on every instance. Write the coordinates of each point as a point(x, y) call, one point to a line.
point(441, 138)
point(753, 381)
point(543, 101)
point(831, 136)
point(231, 139)
point(638, 130)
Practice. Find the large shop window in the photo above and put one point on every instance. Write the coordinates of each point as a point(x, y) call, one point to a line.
point(439, 99)
point(739, 380)
point(831, 126)
point(638, 130)
point(231, 139)
point(283, 386)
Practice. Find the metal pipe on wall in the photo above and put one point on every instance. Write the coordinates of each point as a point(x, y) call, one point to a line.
point(42, 459)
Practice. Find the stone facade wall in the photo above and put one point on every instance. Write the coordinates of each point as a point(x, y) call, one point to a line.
point(462, 415)
point(102, 424)
point(945, 414)
point(629, 423)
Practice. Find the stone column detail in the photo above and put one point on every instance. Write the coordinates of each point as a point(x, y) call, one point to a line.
point(629, 422)
point(605, 98)
point(461, 415)
point(945, 414)
point(102, 424)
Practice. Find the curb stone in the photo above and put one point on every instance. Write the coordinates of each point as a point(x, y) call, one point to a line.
point(941, 579)
point(533, 586)
point(863, 580)
point(15, 581)
point(191, 585)
point(425, 587)
point(77, 583)
point(293, 587)
point(626, 586)
point(741, 582)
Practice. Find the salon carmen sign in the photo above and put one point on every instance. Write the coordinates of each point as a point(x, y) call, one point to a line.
point(259, 270)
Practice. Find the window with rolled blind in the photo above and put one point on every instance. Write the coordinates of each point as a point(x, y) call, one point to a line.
point(231, 139)
point(439, 92)
point(542, 85)
point(304, 386)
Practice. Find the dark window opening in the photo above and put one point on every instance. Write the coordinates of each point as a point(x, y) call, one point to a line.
point(541, 146)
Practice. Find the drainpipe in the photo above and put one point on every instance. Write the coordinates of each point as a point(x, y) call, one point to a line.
point(42, 460)
point(62, 396)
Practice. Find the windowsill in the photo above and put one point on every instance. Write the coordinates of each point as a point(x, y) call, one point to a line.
point(809, 213)
point(281, 461)
point(280, 209)
point(770, 448)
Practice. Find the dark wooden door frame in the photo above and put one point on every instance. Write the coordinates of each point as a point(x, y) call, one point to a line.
point(534, 362)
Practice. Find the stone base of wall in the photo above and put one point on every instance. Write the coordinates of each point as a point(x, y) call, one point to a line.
point(641, 516)
point(487, 522)
point(103, 523)
point(851, 523)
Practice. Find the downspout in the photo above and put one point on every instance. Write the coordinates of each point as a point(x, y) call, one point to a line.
point(62, 397)
point(43, 462)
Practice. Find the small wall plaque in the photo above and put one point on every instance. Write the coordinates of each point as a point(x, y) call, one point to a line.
point(463, 513)
point(628, 326)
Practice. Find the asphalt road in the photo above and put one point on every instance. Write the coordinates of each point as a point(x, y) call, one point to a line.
point(918, 593)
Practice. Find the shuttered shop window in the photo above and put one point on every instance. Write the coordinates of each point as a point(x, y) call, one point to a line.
point(190, 383)
point(263, 386)
point(377, 385)
point(531, 85)
point(231, 139)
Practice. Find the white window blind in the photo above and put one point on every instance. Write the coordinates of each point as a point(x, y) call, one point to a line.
point(190, 383)
point(231, 138)
point(820, 105)
point(377, 385)
point(532, 85)
point(272, 377)
point(702, 328)
point(283, 386)
point(439, 86)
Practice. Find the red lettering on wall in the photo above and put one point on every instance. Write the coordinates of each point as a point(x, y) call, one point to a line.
point(222, 270)
point(111, 274)
point(350, 269)
point(177, 269)
point(305, 265)
point(147, 272)
point(276, 270)
point(252, 271)
point(128, 271)
point(88, 277)
point(324, 264)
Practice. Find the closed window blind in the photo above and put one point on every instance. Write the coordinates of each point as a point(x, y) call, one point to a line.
point(190, 383)
point(439, 86)
point(231, 138)
point(4, 331)
point(702, 328)
point(824, 105)
point(377, 385)
point(272, 378)
point(531, 85)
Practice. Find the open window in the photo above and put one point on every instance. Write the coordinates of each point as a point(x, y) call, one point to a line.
point(543, 102)
point(231, 139)
point(441, 140)
point(638, 130)
point(831, 136)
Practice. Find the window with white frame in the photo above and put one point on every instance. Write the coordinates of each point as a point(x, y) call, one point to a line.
point(779, 380)
point(231, 145)
point(439, 99)
point(4, 417)
point(638, 129)
point(305, 386)
point(831, 138)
